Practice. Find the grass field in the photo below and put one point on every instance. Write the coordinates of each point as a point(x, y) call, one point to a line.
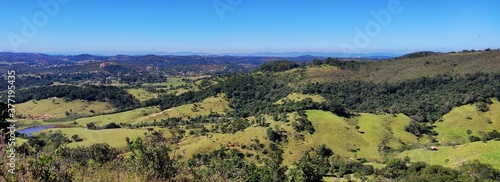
point(175, 81)
point(149, 114)
point(488, 152)
point(57, 107)
point(335, 132)
point(455, 123)
point(214, 104)
point(192, 144)
point(299, 97)
point(131, 116)
point(113, 137)
point(141, 94)
point(340, 135)
point(178, 91)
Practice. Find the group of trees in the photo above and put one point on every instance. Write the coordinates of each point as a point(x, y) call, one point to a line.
point(278, 66)
point(404, 170)
point(348, 65)
point(151, 159)
point(419, 129)
point(112, 125)
point(424, 99)
point(117, 97)
point(117, 73)
point(303, 124)
point(252, 95)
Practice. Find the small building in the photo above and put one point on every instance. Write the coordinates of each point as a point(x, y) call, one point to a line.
point(43, 117)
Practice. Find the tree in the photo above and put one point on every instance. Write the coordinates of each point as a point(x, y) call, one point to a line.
point(482, 107)
point(151, 158)
point(111, 125)
point(76, 138)
point(273, 135)
point(324, 151)
point(91, 126)
point(316, 62)
point(469, 132)
point(58, 138)
point(395, 168)
point(4, 114)
point(418, 129)
point(277, 66)
point(473, 138)
point(478, 171)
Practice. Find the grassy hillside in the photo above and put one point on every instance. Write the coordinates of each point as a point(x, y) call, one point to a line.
point(488, 152)
point(193, 144)
point(407, 68)
point(298, 97)
point(122, 117)
point(341, 136)
point(149, 114)
point(460, 119)
point(211, 104)
point(141, 94)
point(57, 108)
point(350, 118)
point(337, 133)
point(113, 137)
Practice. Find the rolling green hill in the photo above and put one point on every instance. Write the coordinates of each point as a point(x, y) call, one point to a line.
point(459, 120)
point(59, 109)
point(407, 68)
point(488, 152)
point(328, 118)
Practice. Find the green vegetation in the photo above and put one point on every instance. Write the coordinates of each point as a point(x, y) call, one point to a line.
point(117, 97)
point(141, 94)
point(299, 97)
point(454, 156)
point(401, 69)
point(325, 120)
point(60, 108)
point(113, 137)
point(277, 66)
point(423, 99)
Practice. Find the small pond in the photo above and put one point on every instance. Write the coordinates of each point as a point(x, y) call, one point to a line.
point(29, 131)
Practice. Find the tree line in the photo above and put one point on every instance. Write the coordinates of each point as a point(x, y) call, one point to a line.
point(424, 99)
point(117, 97)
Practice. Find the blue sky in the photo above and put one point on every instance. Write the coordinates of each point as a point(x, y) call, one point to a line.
point(244, 26)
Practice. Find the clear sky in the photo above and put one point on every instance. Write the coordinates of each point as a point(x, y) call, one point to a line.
point(244, 26)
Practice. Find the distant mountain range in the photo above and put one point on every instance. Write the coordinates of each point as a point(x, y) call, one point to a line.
point(184, 62)
point(239, 58)
point(319, 54)
point(271, 54)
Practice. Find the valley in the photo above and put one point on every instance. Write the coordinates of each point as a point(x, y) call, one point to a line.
point(320, 119)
